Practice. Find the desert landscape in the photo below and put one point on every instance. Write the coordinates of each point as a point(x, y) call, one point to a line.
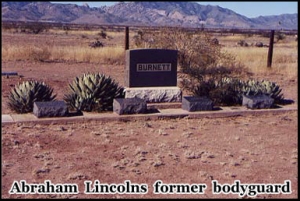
point(257, 149)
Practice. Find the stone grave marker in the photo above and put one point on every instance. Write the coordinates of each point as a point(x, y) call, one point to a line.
point(129, 106)
point(50, 109)
point(258, 101)
point(151, 74)
point(192, 103)
point(151, 68)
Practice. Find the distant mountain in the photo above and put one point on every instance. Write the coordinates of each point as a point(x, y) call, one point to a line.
point(179, 14)
point(49, 12)
point(285, 21)
point(186, 14)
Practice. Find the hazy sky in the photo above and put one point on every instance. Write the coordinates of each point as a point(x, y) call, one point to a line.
point(248, 9)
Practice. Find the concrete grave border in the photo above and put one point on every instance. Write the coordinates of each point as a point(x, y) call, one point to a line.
point(161, 114)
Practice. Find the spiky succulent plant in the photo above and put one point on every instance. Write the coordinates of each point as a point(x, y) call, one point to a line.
point(23, 96)
point(273, 90)
point(230, 91)
point(93, 92)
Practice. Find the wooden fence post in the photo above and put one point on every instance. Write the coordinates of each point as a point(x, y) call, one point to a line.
point(270, 53)
point(126, 38)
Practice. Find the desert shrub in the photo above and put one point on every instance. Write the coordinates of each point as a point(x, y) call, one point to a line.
point(280, 36)
point(225, 91)
point(103, 34)
point(242, 43)
point(204, 88)
point(23, 96)
point(93, 92)
point(139, 38)
point(248, 35)
point(96, 44)
point(34, 27)
point(198, 56)
point(230, 91)
point(224, 95)
point(265, 34)
point(65, 27)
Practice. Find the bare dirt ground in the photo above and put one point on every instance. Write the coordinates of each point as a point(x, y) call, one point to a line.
point(255, 149)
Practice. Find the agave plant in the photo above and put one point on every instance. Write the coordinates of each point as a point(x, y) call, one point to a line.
point(273, 90)
point(230, 91)
point(22, 96)
point(93, 92)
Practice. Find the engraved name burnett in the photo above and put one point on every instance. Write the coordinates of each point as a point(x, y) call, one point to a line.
point(153, 67)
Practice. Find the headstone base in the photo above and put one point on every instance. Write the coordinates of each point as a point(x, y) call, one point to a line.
point(155, 94)
point(50, 109)
point(257, 102)
point(191, 103)
point(129, 106)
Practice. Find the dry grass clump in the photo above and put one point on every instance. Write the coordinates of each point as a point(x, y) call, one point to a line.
point(285, 58)
point(88, 33)
point(110, 55)
point(32, 53)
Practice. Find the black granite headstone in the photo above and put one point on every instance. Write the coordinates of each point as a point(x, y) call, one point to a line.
point(129, 106)
point(192, 103)
point(151, 68)
point(50, 109)
point(258, 101)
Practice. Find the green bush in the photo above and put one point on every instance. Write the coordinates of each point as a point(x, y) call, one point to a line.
point(93, 92)
point(23, 96)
